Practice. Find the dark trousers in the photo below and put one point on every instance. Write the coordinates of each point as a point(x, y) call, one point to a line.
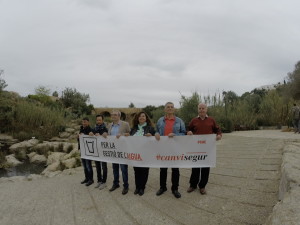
point(88, 169)
point(175, 178)
point(99, 172)
point(199, 177)
point(141, 177)
point(124, 169)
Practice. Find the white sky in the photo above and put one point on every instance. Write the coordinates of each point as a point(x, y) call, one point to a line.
point(147, 51)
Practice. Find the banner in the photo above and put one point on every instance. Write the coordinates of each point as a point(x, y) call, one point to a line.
point(177, 152)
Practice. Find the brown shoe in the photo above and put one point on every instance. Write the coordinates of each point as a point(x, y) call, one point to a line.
point(202, 191)
point(190, 189)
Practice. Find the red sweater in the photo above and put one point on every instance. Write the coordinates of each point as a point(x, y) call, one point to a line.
point(206, 126)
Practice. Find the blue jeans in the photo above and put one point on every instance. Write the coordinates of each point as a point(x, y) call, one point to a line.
point(99, 172)
point(124, 169)
point(88, 170)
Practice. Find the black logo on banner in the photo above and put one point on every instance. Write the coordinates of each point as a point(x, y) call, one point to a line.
point(90, 146)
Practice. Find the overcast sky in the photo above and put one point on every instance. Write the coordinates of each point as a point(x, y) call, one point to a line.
point(147, 51)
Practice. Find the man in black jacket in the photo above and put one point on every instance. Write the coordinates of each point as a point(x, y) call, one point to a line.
point(86, 163)
point(99, 129)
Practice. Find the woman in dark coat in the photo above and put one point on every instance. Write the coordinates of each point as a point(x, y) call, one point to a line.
point(142, 126)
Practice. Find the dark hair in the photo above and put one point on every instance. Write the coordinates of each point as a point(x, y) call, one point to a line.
point(135, 120)
point(100, 116)
point(85, 118)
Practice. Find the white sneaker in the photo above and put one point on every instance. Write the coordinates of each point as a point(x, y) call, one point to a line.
point(102, 186)
point(98, 185)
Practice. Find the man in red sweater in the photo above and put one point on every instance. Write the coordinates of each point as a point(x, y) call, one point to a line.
point(202, 124)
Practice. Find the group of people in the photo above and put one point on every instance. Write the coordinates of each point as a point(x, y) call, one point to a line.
point(168, 125)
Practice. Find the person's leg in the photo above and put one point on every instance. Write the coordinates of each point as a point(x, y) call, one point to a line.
point(86, 178)
point(195, 176)
point(98, 169)
point(144, 177)
point(175, 179)
point(163, 178)
point(136, 178)
point(204, 177)
point(89, 172)
point(116, 174)
point(124, 169)
point(104, 168)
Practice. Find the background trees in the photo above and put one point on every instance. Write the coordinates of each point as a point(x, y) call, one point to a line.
point(2, 82)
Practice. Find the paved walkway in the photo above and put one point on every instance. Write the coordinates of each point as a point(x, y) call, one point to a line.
point(242, 189)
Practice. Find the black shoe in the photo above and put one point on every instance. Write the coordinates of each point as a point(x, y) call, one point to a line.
point(141, 192)
point(161, 191)
point(136, 191)
point(176, 194)
point(114, 187)
point(84, 181)
point(89, 183)
point(125, 191)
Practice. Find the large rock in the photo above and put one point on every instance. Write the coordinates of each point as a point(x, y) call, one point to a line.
point(52, 168)
point(23, 144)
point(290, 169)
point(64, 135)
point(11, 160)
point(55, 157)
point(38, 159)
point(70, 130)
point(69, 163)
point(287, 211)
point(20, 149)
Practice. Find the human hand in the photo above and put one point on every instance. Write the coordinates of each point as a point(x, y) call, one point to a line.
point(157, 136)
point(170, 135)
point(189, 133)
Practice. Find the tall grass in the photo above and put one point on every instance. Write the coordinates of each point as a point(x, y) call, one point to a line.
point(37, 120)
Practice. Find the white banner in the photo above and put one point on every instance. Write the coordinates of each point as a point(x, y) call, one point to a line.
point(177, 152)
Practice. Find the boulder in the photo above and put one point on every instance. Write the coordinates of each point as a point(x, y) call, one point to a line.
point(70, 130)
point(38, 159)
point(20, 149)
point(55, 157)
point(55, 166)
point(286, 211)
point(290, 176)
point(64, 135)
point(11, 160)
point(69, 163)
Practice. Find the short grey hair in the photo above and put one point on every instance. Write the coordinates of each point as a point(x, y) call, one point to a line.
point(169, 103)
point(116, 111)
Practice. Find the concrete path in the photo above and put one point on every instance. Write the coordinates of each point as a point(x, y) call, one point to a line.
point(242, 189)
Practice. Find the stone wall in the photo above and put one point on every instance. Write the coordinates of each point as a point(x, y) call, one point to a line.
point(287, 210)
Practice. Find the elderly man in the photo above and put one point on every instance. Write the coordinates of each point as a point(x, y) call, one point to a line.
point(202, 124)
point(118, 128)
point(169, 125)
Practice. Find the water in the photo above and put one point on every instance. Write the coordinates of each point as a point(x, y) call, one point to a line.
point(24, 169)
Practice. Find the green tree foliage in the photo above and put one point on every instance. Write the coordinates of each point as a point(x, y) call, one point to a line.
point(42, 91)
point(293, 84)
point(157, 113)
point(24, 118)
point(2, 82)
point(131, 105)
point(149, 110)
point(189, 107)
point(55, 94)
point(76, 101)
